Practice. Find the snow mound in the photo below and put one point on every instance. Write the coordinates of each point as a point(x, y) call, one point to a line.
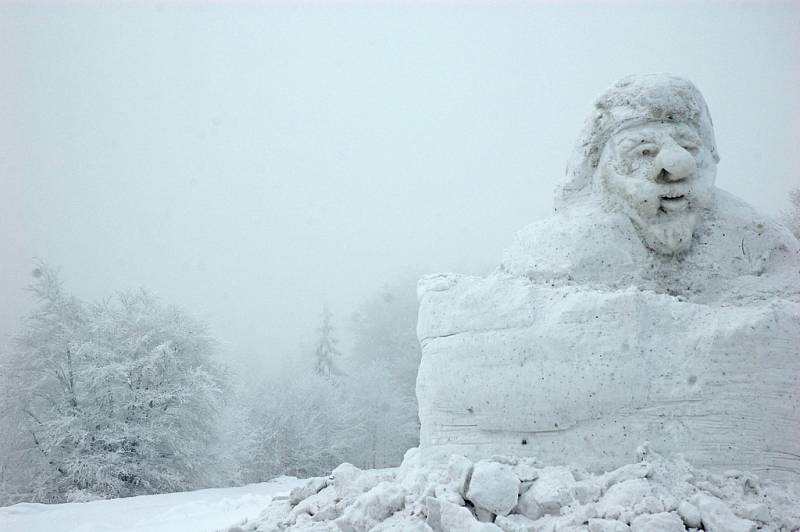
point(513, 494)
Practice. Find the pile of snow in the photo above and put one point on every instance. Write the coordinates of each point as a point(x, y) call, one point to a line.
point(206, 510)
point(512, 494)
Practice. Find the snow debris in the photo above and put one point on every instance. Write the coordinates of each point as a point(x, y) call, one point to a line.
point(372, 507)
point(529, 506)
point(494, 487)
point(657, 494)
point(312, 487)
point(718, 517)
point(626, 494)
point(658, 522)
point(627, 472)
point(754, 512)
point(460, 471)
point(690, 514)
point(515, 523)
point(607, 525)
point(552, 489)
point(458, 518)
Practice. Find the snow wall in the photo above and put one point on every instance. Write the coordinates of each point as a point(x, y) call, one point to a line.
point(574, 375)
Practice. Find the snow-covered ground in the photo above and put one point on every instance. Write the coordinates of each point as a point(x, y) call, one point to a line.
point(194, 511)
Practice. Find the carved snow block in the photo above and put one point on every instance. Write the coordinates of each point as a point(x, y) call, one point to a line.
point(573, 375)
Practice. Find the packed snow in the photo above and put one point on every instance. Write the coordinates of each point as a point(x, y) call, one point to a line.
point(205, 510)
point(512, 494)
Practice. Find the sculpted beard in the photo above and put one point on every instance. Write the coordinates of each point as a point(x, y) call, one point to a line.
point(668, 235)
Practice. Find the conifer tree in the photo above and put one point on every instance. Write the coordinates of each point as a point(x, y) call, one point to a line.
point(326, 352)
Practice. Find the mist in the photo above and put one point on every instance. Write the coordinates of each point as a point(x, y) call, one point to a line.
point(252, 162)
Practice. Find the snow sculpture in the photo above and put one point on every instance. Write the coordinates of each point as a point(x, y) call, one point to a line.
point(652, 306)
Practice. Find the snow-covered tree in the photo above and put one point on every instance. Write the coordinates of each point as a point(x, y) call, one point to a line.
point(305, 428)
point(385, 411)
point(384, 330)
point(326, 353)
point(307, 422)
point(791, 217)
point(385, 356)
point(118, 398)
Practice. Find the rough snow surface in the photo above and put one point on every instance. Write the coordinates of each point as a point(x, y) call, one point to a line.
point(579, 374)
point(653, 494)
point(192, 511)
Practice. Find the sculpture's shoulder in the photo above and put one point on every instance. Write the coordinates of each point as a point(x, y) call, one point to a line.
point(734, 224)
point(583, 243)
point(738, 253)
point(744, 253)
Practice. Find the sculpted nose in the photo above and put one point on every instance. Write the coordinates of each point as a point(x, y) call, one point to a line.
point(675, 163)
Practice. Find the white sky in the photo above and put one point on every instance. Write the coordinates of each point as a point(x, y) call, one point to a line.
point(252, 161)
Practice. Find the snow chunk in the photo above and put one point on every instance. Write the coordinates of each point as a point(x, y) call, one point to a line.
point(660, 522)
point(627, 472)
point(607, 525)
point(515, 523)
point(552, 489)
point(372, 507)
point(311, 487)
point(755, 512)
point(718, 517)
point(449, 517)
point(493, 487)
point(460, 470)
point(690, 514)
point(626, 494)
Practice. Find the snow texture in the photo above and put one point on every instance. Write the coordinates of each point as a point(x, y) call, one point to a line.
point(652, 306)
point(654, 494)
point(494, 487)
point(205, 510)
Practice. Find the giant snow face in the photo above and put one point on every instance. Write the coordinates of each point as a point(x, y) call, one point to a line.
point(659, 174)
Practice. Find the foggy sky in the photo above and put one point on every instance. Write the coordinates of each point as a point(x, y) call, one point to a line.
point(251, 162)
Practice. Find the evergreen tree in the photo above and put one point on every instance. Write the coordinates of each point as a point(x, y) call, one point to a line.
point(791, 217)
point(326, 352)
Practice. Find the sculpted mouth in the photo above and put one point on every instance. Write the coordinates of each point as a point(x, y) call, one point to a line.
point(672, 202)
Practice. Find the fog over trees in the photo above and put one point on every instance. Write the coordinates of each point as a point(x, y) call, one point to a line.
point(129, 396)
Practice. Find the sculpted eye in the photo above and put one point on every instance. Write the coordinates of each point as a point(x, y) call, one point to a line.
point(647, 151)
point(642, 149)
point(691, 148)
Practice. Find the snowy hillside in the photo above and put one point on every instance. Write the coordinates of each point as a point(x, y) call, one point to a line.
point(196, 511)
